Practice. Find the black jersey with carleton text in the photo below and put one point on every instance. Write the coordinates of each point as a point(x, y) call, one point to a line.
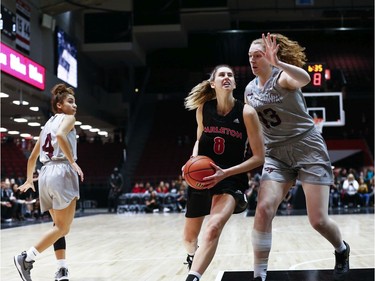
point(224, 139)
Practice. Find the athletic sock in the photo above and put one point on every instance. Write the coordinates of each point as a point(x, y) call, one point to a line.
point(193, 276)
point(262, 242)
point(342, 248)
point(62, 263)
point(31, 254)
point(260, 270)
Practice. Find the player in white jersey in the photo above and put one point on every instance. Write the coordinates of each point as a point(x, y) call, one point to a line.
point(294, 148)
point(58, 179)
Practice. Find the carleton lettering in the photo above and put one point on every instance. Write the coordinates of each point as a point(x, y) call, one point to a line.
point(224, 131)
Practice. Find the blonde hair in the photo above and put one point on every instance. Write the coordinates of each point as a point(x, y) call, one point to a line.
point(59, 93)
point(289, 51)
point(202, 92)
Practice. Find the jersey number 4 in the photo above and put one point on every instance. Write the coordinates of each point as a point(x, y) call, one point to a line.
point(47, 146)
point(269, 118)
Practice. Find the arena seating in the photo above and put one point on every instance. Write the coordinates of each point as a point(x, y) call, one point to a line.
point(169, 144)
point(97, 160)
point(135, 202)
point(13, 160)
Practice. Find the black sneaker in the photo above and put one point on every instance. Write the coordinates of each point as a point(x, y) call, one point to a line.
point(24, 267)
point(62, 274)
point(189, 261)
point(257, 278)
point(342, 264)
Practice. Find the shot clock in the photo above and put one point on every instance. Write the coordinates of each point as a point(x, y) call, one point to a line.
point(317, 72)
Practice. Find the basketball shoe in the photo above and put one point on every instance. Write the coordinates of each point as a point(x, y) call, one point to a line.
point(62, 274)
point(189, 261)
point(24, 267)
point(342, 264)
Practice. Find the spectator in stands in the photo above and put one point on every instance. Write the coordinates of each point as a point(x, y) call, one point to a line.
point(350, 191)
point(33, 210)
point(364, 195)
point(149, 188)
point(369, 174)
point(138, 188)
point(116, 183)
point(19, 180)
point(167, 187)
point(178, 182)
point(334, 195)
point(295, 149)
point(6, 204)
point(56, 148)
point(371, 192)
point(252, 191)
point(181, 199)
point(19, 204)
point(152, 203)
point(287, 202)
point(173, 188)
point(354, 172)
point(217, 108)
point(342, 175)
point(162, 187)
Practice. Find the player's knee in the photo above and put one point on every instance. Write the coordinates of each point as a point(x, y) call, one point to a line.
point(318, 223)
point(265, 211)
point(213, 231)
point(190, 239)
point(63, 230)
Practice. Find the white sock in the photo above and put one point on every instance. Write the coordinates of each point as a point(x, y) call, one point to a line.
point(342, 248)
point(195, 274)
point(62, 263)
point(260, 269)
point(261, 241)
point(31, 254)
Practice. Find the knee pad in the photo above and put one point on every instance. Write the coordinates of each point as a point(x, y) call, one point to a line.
point(60, 244)
point(261, 241)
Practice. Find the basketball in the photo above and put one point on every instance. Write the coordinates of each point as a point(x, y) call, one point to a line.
point(196, 169)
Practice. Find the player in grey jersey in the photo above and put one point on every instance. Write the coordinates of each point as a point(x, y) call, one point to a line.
point(294, 148)
point(58, 179)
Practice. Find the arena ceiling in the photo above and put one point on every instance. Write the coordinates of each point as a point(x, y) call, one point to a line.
point(194, 17)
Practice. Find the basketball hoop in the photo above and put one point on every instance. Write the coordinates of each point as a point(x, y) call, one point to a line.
point(319, 124)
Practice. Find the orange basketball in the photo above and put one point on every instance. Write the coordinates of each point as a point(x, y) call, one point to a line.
point(196, 169)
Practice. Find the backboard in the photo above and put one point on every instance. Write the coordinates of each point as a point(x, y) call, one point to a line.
point(327, 106)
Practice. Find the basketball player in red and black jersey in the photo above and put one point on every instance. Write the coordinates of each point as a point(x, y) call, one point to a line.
point(224, 128)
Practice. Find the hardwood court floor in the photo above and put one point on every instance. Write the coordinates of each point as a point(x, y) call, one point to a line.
point(148, 247)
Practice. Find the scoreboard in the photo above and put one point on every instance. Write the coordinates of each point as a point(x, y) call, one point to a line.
point(317, 72)
point(8, 20)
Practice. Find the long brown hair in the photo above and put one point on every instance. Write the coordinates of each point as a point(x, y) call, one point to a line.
point(59, 93)
point(203, 92)
point(289, 51)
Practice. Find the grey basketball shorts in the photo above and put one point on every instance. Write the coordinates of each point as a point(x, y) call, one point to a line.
point(306, 160)
point(58, 185)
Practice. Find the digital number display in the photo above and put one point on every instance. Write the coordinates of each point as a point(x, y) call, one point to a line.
point(317, 74)
point(9, 23)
